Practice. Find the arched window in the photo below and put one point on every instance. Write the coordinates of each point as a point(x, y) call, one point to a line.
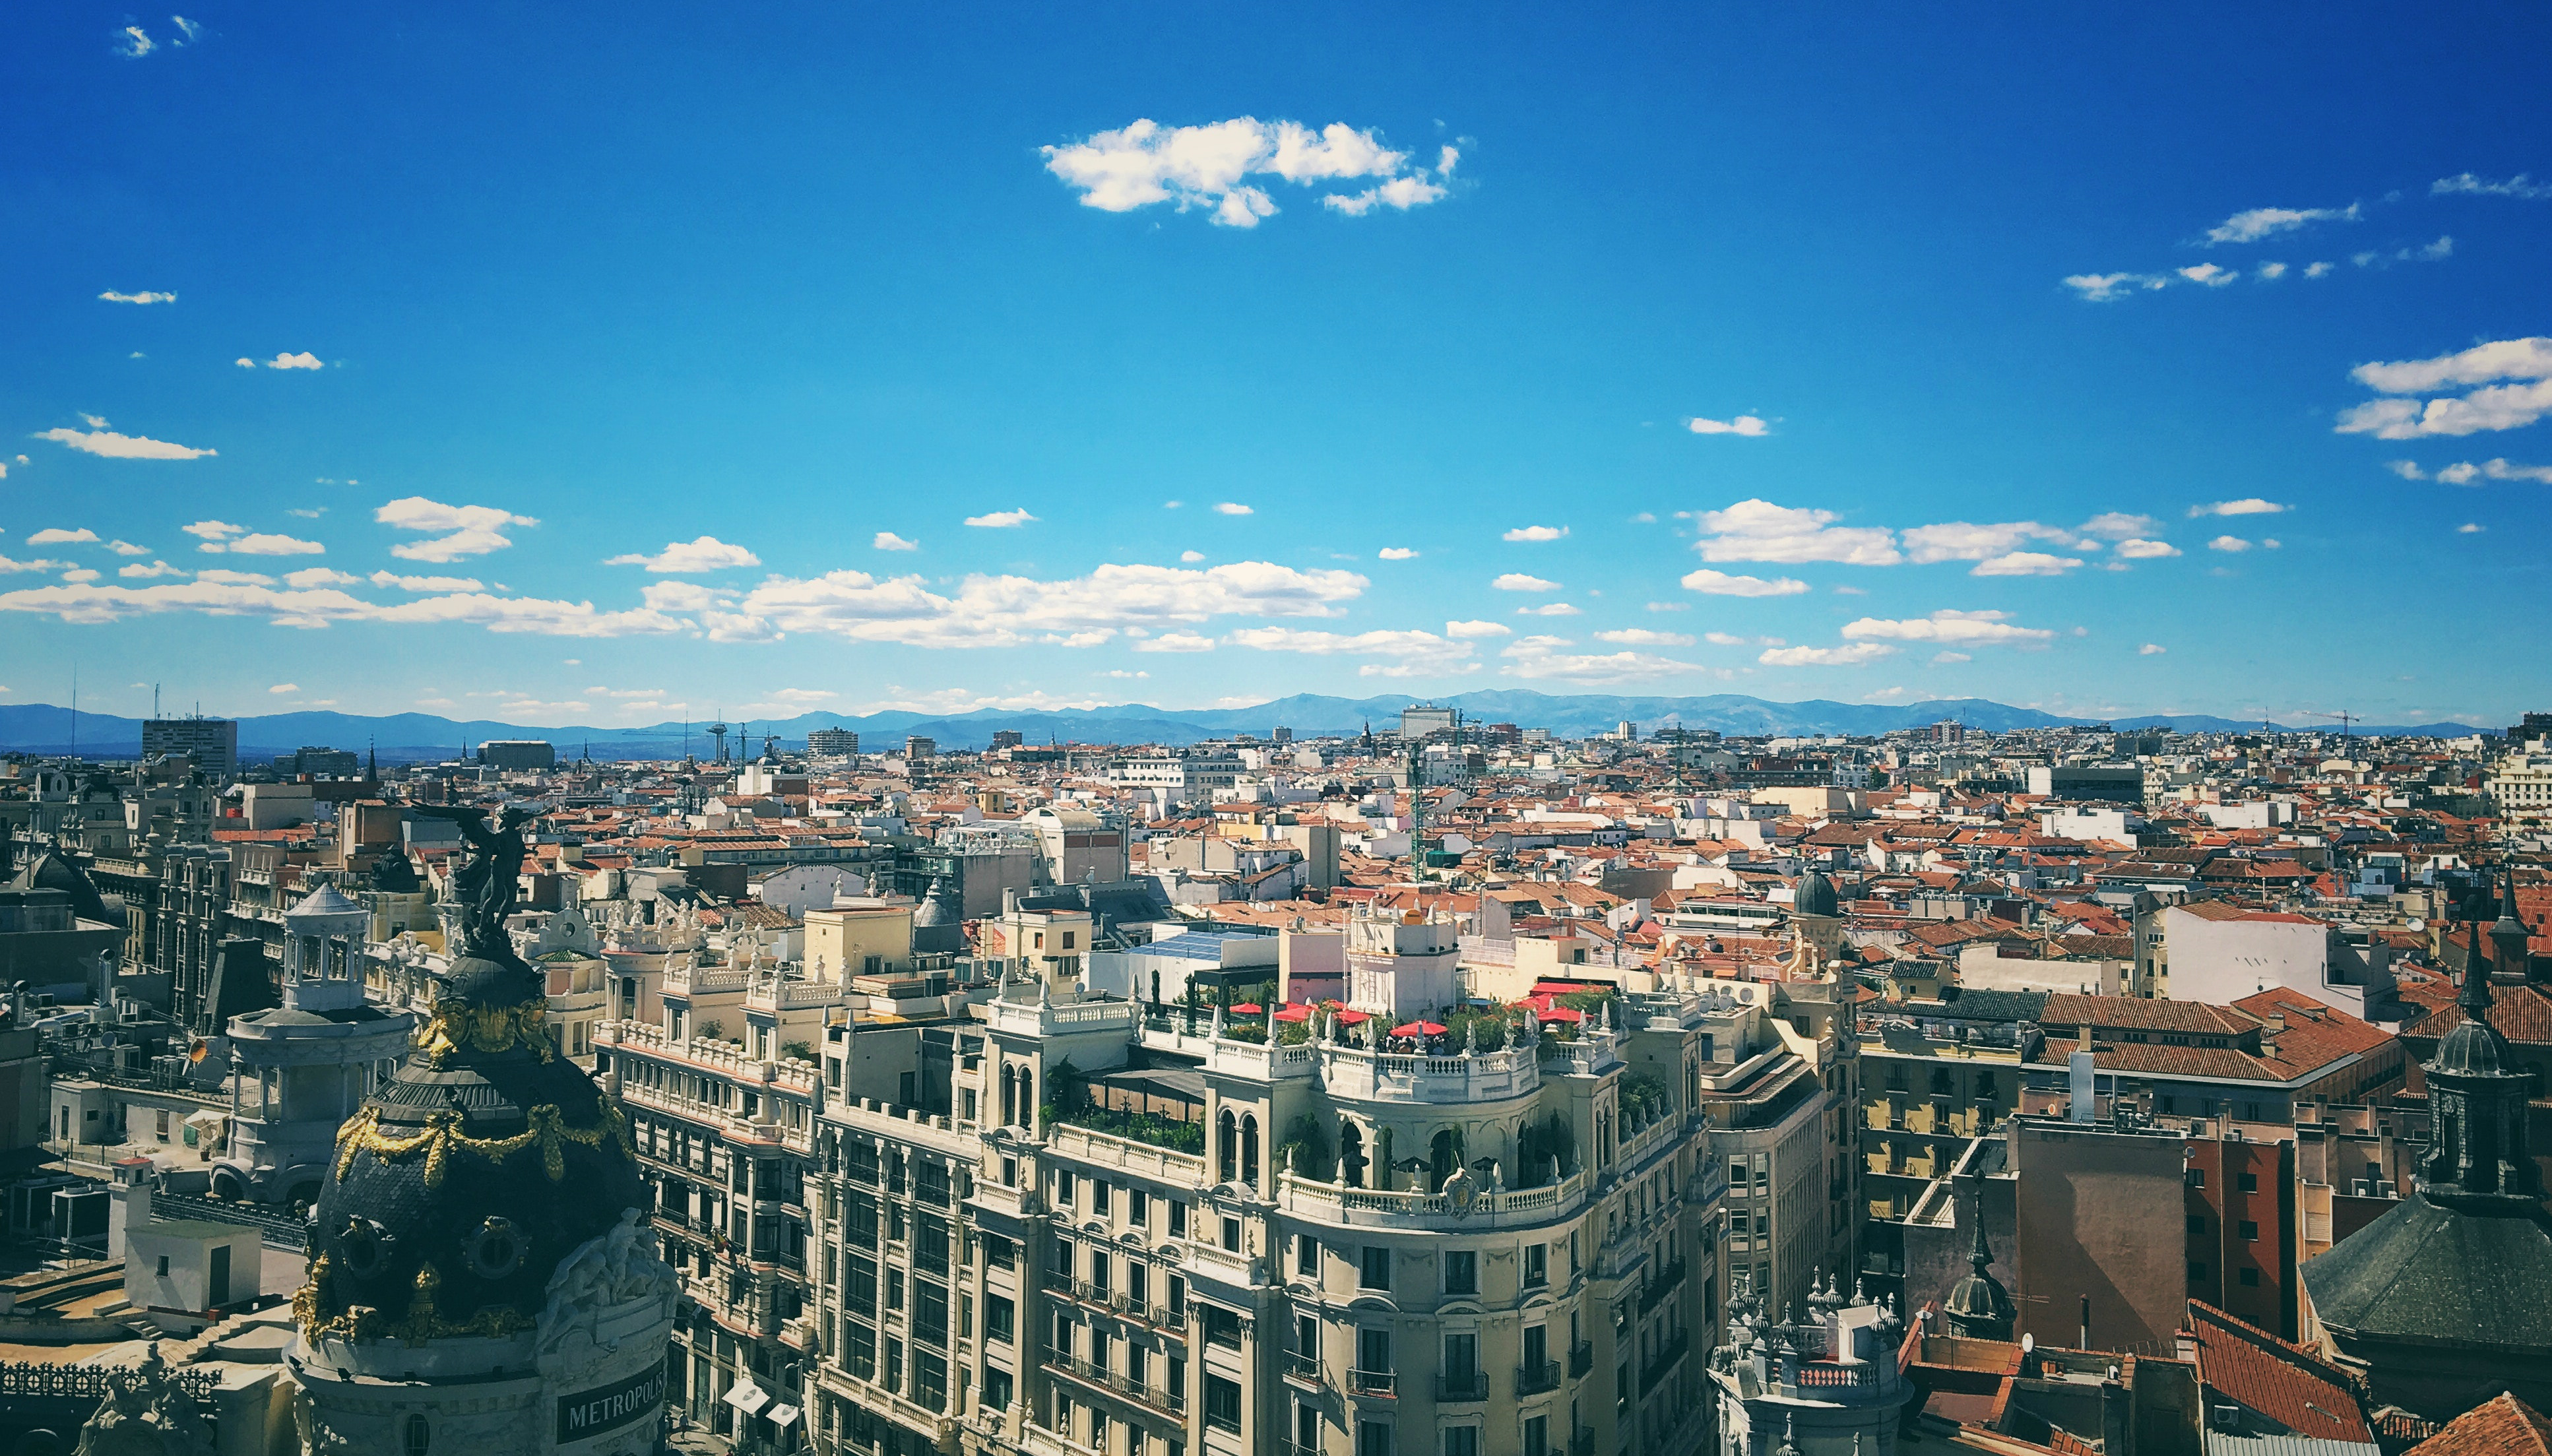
point(1010, 1095)
point(1250, 1150)
point(1443, 1154)
point(1226, 1147)
point(1351, 1158)
point(415, 1436)
point(1028, 1095)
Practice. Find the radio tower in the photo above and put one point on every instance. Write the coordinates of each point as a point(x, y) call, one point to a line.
point(718, 732)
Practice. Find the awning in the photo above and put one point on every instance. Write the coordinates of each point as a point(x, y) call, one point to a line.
point(781, 1414)
point(747, 1397)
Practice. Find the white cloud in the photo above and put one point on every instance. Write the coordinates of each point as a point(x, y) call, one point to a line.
point(156, 569)
point(2500, 406)
point(2118, 525)
point(2407, 469)
point(223, 577)
point(1642, 637)
point(1478, 629)
point(1001, 520)
point(135, 43)
point(2271, 542)
point(57, 536)
point(2109, 287)
point(2209, 274)
point(889, 541)
point(1723, 639)
point(1540, 659)
point(1002, 611)
point(98, 440)
point(2138, 549)
point(1205, 166)
point(1948, 626)
point(1398, 553)
point(2263, 221)
point(308, 513)
point(703, 554)
point(285, 687)
point(2249, 505)
point(2501, 470)
point(2151, 650)
point(213, 530)
point(1410, 653)
point(1669, 606)
point(1519, 581)
point(80, 574)
point(2273, 270)
point(1191, 556)
point(144, 296)
point(2443, 248)
point(1233, 508)
point(262, 543)
point(1548, 609)
point(7, 565)
point(424, 584)
point(1854, 656)
point(1713, 582)
point(2515, 186)
point(2025, 563)
point(1536, 532)
point(302, 360)
point(1171, 506)
point(1943, 659)
point(1177, 642)
point(2469, 528)
point(2461, 472)
point(310, 576)
point(1966, 541)
point(2228, 543)
point(1751, 426)
point(2320, 270)
point(1760, 531)
point(471, 530)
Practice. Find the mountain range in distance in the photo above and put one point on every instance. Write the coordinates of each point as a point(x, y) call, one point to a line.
point(43, 728)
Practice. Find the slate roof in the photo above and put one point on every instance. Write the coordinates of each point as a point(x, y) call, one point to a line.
point(2414, 1272)
point(2506, 1426)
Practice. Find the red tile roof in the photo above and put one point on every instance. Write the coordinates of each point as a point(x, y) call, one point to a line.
point(2285, 1382)
point(2506, 1426)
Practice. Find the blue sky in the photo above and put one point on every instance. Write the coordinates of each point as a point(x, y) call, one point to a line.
point(601, 367)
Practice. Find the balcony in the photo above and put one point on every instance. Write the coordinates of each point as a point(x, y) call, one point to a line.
point(1302, 1368)
point(1375, 1383)
point(1581, 1358)
point(1533, 1379)
point(1663, 1285)
point(1466, 1385)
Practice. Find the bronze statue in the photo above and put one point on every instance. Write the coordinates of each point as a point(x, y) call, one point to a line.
point(486, 887)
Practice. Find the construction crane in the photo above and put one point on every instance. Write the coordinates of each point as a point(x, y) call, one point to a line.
point(2344, 721)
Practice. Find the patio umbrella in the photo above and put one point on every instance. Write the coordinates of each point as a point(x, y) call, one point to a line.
point(1247, 1008)
point(1560, 1013)
point(1295, 1013)
point(1354, 1018)
point(1417, 1028)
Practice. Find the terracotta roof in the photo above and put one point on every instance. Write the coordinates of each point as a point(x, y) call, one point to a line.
point(2282, 1382)
point(2504, 1426)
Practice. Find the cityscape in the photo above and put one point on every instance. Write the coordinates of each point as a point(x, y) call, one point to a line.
point(1654, 732)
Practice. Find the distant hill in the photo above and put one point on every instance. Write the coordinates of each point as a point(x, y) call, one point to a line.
point(409, 737)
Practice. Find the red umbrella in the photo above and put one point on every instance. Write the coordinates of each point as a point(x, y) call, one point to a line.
point(1295, 1013)
point(1352, 1018)
point(1417, 1028)
point(1247, 1008)
point(1560, 1013)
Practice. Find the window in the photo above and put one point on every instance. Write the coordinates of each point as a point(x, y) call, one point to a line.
point(999, 1252)
point(1537, 1265)
point(1461, 1273)
point(1377, 1271)
point(930, 1380)
point(929, 1313)
point(164, 1266)
point(1099, 1197)
point(2198, 1178)
point(1137, 1282)
point(1178, 1221)
point(1222, 1403)
point(1000, 1317)
point(1138, 1209)
point(1537, 1435)
point(1373, 1350)
point(1462, 1440)
point(1306, 1256)
point(1231, 1234)
point(1061, 1259)
point(1178, 1296)
point(859, 1349)
point(1063, 1187)
point(1221, 1328)
point(2248, 1183)
point(2250, 1279)
point(997, 1390)
point(416, 1437)
point(1373, 1438)
point(2250, 1230)
point(895, 1288)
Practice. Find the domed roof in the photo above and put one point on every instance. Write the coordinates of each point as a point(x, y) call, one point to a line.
point(444, 1214)
point(54, 870)
point(1815, 896)
point(325, 900)
point(2474, 1048)
point(1979, 1308)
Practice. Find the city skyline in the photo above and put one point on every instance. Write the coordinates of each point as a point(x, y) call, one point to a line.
point(893, 364)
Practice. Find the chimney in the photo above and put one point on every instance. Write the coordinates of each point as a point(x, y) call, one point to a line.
point(2080, 1067)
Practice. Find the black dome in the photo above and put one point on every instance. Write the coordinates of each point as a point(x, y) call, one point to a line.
point(2475, 1047)
point(468, 1175)
point(1815, 896)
